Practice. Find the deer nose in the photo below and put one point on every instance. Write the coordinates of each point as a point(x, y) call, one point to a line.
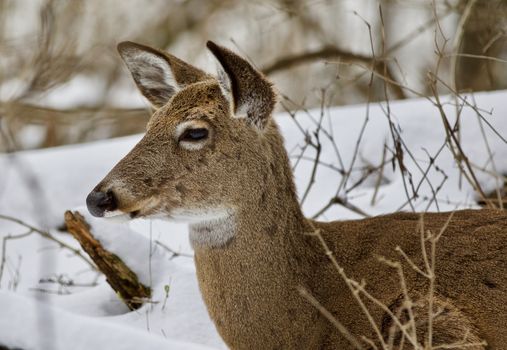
point(99, 202)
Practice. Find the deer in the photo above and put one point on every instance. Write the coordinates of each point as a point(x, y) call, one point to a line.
point(213, 157)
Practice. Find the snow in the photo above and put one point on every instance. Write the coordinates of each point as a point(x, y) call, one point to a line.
point(70, 331)
point(38, 186)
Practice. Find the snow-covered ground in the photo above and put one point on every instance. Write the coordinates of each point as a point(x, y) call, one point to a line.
point(38, 186)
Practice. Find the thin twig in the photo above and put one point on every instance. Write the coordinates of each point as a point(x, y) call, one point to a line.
point(329, 316)
point(50, 237)
point(174, 253)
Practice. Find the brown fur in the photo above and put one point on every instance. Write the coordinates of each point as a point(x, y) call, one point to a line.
point(250, 282)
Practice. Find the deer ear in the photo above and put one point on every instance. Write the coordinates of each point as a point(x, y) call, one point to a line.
point(252, 95)
point(158, 75)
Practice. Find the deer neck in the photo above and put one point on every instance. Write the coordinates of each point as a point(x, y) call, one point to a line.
point(249, 279)
point(277, 219)
point(267, 212)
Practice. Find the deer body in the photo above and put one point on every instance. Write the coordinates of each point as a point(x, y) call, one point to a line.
point(263, 285)
point(213, 157)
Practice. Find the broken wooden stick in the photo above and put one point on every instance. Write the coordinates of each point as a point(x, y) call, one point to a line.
point(119, 276)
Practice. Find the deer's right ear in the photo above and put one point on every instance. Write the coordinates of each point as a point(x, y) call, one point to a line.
point(251, 94)
point(158, 75)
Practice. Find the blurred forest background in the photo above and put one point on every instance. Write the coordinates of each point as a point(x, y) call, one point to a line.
point(62, 82)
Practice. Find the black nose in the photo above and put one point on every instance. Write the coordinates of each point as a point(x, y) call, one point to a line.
point(99, 202)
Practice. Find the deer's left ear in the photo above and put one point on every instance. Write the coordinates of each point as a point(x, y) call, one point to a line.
point(251, 94)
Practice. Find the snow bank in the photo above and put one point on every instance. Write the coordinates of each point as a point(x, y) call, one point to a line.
point(30, 324)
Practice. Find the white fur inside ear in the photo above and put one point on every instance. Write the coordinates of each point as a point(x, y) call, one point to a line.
point(226, 87)
point(152, 72)
point(224, 82)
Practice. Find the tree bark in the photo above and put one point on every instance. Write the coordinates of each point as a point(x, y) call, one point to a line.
point(119, 276)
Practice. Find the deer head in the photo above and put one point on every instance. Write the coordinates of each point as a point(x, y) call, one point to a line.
point(203, 153)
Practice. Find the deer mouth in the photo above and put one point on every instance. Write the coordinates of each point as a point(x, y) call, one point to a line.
point(148, 207)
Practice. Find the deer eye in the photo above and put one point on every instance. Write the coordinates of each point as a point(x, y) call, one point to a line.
point(194, 135)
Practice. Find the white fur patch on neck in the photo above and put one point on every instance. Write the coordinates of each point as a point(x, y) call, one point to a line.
point(209, 228)
point(212, 234)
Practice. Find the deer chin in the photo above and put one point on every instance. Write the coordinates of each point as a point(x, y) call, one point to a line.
point(117, 216)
